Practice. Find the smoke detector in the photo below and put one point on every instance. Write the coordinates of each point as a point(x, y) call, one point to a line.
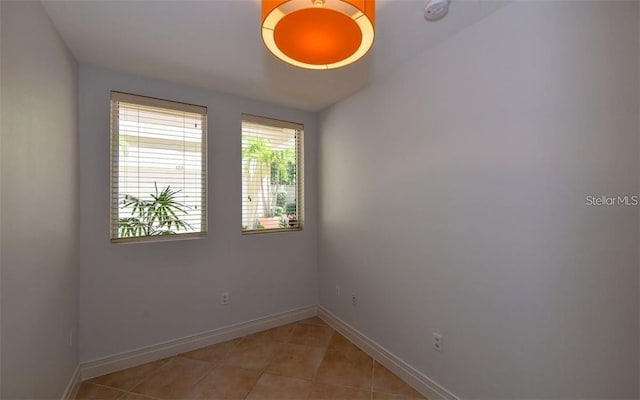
point(435, 9)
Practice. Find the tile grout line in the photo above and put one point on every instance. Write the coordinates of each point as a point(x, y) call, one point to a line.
point(288, 341)
point(219, 363)
point(214, 366)
point(124, 392)
point(315, 376)
point(263, 370)
point(335, 332)
point(150, 374)
point(373, 368)
point(132, 387)
point(202, 378)
point(280, 344)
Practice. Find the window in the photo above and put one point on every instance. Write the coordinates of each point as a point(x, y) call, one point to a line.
point(158, 168)
point(272, 175)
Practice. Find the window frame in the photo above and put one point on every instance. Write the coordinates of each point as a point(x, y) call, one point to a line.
point(114, 159)
point(300, 203)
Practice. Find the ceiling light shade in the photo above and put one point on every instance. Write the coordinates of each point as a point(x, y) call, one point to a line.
point(318, 34)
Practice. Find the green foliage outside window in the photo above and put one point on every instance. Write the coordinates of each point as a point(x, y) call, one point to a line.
point(159, 215)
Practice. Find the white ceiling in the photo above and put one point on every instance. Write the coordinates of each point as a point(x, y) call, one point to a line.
point(216, 44)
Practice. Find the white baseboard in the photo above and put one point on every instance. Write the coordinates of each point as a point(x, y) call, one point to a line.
point(73, 386)
point(393, 363)
point(147, 354)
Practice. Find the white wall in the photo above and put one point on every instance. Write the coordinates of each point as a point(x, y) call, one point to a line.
point(39, 204)
point(135, 295)
point(452, 199)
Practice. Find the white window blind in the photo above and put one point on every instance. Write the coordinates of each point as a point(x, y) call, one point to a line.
point(158, 168)
point(272, 175)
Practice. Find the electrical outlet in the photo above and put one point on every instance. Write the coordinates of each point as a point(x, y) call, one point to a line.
point(437, 341)
point(338, 290)
point(224, 298)
point(71, 337)
point(353, 299)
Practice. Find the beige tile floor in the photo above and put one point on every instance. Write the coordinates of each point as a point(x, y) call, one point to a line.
point(304, 360)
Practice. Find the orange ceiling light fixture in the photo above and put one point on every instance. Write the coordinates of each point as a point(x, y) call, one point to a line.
point(318, 34)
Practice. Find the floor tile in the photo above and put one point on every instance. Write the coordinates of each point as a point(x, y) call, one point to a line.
point(313, 321)
point(89, 391)
point(226, 383)
point(341, 343)
point(175, 379)
point(311, 335)
point(135, 396)
point(304, 360)
point(277, 334)
point(280, 387)
point(130, 377)
point(390, 396)
point(213, 354)
point(352, 369)
point(322, 391)
point(253, 352)
point(296, 361)
point(385, 381)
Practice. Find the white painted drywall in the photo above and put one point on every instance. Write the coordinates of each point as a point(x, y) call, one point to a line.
point(452, 199)
point(136, 295)
point(39, 204)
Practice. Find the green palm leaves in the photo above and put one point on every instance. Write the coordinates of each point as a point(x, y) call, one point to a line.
point(161, 215)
